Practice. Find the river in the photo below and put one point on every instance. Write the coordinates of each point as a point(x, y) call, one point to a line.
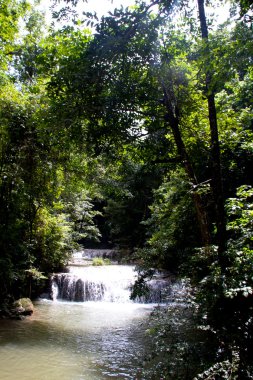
point(76, 340)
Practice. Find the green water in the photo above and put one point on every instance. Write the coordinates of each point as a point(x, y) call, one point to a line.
point(73, 341)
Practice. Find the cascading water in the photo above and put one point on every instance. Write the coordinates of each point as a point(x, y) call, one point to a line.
point(84, 340)
point(106, 283)
point(110, 283)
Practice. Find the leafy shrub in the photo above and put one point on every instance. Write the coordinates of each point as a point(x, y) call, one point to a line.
point(179, 350)
point(225, 295)
point(99, 261)
point(172, 226)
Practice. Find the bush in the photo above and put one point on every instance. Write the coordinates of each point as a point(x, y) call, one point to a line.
point(225, 295)
point(99, 261)
point(173, 228)
point(178, 349)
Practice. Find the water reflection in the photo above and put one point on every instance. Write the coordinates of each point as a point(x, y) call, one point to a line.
point(74, 341)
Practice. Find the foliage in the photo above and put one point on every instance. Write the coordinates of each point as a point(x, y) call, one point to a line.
point(229, 294)
point(11, 12)
point(113, 125)
point(99, 261)
point(80, 213)
point(44, 209)
point(25, 59)
point(171, 228)
point(178, 349)
point(245, 8)
point(34, 273)
point(140, 289)
point(128, 198)
point(223, 370)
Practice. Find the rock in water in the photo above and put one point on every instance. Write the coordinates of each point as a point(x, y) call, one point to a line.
point(23, 306)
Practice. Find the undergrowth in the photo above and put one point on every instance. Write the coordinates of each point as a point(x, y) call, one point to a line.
point(179, 349)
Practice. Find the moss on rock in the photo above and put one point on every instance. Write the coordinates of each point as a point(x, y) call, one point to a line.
point(22, 306)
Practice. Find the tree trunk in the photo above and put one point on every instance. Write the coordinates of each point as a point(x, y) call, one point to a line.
point(215, 146)
point(173, 121)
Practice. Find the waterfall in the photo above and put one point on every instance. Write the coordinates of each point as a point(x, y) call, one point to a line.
point(110, 283)
point(106, 283)
point(87, 255)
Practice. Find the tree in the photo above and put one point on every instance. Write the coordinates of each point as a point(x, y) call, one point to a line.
point(39, 218)
point(10, 13)
point(215, 146)
point(127, 86)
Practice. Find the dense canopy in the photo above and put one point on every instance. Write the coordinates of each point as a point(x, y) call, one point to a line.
point(132, 131)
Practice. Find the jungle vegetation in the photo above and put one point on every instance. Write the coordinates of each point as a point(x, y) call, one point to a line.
point(134, 130)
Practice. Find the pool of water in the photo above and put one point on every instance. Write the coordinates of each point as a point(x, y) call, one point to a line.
point(73, 341)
